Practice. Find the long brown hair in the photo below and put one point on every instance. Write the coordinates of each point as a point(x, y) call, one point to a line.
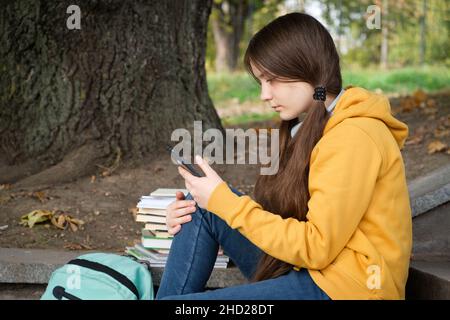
point(296, 47)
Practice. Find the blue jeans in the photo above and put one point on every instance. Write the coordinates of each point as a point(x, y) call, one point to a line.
point(194, 252)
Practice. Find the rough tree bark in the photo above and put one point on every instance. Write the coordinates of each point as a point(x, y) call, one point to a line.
point(132, 74)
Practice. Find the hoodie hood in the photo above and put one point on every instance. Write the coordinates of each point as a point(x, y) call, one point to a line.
point(359, 102)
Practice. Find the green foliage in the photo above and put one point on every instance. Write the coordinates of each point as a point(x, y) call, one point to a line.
point(241, 86)
point(249, 117)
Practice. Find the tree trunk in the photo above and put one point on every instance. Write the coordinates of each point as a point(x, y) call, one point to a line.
point(228, 21)
point(423, 33)
point(384, 36)
point(132, 74)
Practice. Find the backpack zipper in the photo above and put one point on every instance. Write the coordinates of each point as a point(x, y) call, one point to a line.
point(59, 293)
point(109, 271)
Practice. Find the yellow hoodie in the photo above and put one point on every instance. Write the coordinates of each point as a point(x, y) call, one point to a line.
point(356, 242)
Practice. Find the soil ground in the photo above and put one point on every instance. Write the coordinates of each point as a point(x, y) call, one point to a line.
point(104, 202)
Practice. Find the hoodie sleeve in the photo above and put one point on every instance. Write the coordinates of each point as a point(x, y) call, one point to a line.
point(343, 170)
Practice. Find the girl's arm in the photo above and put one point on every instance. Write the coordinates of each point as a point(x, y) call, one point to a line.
point(344, 168)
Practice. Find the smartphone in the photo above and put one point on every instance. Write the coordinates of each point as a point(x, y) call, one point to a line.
point(183, 163)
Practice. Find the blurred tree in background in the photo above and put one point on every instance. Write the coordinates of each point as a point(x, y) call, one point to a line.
point(412, 33)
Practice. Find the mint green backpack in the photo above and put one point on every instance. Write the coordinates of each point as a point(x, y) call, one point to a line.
point(100, 276)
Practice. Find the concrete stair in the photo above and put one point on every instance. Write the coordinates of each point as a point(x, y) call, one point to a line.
point(429, 276)
point(24, 272)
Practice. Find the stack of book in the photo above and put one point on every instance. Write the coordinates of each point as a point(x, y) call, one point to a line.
point(158, 260)
point(156, 241)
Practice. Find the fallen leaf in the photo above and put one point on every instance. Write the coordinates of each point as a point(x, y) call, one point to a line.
point(35, 216)
point(441, 132)
point(407, 104)
point(158, 169)
point(77, 246)
point(133, 211)
point(436, 146)
point(415, 139)
point(73, 226)
point(41, 196)
point(73, 246)
point(64, 221)
point(419, 96)
point(431, 103)
point(59, 221)
point(106, 173)
point(93, 179)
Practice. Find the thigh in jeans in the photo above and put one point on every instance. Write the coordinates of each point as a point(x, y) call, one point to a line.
point(194, 251)
point(295, 285)
point(240, 250)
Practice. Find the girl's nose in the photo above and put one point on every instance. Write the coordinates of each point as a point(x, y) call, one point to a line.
point(266, 94)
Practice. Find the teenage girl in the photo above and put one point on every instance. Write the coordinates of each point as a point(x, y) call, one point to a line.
point(335, 221)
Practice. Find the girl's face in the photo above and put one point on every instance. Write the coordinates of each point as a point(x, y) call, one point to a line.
point(289, 99)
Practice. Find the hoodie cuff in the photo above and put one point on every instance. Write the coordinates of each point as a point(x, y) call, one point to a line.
point(223, 202)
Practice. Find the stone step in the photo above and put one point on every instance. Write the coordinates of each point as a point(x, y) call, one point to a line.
point(429, 191)
point(429, 194)
point(428, 280)
point(19, 291)
point(431, 234)
point(35, 266)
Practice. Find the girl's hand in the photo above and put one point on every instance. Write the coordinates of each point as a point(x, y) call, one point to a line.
point(179, 212)
point(201, 188)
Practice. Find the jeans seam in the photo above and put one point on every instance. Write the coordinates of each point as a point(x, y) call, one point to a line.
point(191, 262)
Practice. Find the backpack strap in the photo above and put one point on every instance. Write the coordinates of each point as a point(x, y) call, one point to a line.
point(109, 271)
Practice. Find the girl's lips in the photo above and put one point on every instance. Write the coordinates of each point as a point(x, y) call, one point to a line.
point(277, 107)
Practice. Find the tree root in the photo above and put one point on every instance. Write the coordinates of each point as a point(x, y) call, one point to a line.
point(11, 174)
point(78, 163)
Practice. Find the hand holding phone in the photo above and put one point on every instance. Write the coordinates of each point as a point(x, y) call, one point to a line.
point(182, 162)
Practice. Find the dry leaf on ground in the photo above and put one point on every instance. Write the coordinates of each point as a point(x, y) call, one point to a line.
point(63, 221)
point(436, 146)
point(40, 195)
point(35, 216)
point(415, 138)
point(419, 96)
point(441, 132)
point(407, 104)
point(133, 211)
point(77, 246)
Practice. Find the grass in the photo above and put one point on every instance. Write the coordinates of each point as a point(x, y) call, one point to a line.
point(249, 117)
point(403, 81)
point(241, 86)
